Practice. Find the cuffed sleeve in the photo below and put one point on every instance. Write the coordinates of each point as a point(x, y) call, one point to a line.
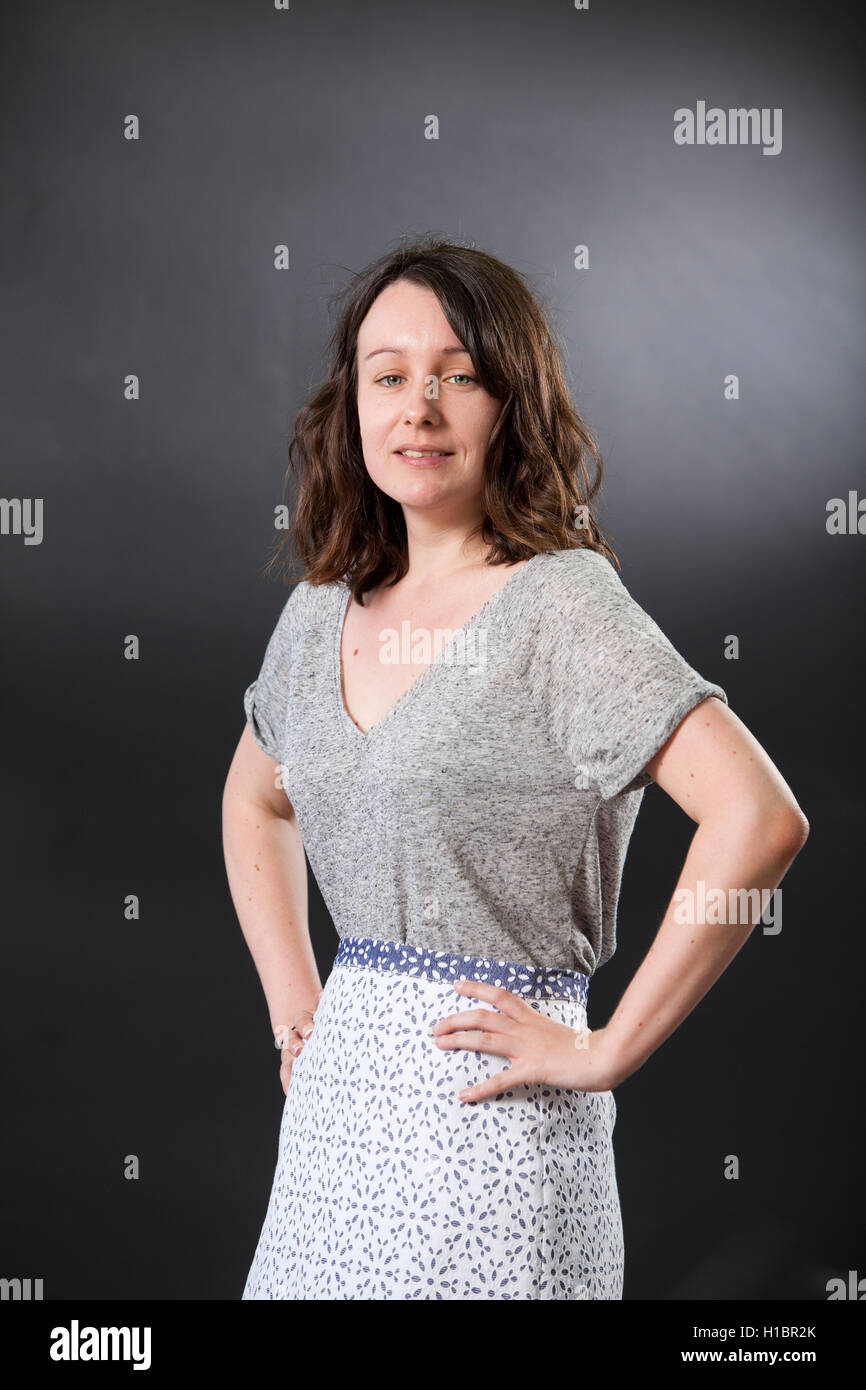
point(613, 685)
point(266, 697)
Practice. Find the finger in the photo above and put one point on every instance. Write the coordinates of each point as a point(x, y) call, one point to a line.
point(479, 1041)
point(293, 1045)
point(493, 1086)
point(473, 1018)
point(510, 1004)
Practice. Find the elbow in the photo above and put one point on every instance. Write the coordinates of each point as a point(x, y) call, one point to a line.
point(789, 830)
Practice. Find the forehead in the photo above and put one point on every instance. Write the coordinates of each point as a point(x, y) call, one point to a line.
point(406, 317)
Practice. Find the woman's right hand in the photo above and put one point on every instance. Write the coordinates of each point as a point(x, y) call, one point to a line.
point(293, 1043)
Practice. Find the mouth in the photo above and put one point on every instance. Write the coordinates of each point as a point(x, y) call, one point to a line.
point(423, 458)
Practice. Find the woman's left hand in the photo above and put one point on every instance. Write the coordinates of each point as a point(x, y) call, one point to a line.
point(541, 1049)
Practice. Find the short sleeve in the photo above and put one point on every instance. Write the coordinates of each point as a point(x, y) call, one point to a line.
point(613, 685)
point(266, 698)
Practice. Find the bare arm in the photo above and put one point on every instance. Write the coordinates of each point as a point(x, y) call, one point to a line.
point(750, 830)
point(267, 875)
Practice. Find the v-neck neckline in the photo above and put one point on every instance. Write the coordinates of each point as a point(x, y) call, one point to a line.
point(342, 610)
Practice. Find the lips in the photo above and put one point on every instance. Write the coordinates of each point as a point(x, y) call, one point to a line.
point(422, 461)
point(413, 453)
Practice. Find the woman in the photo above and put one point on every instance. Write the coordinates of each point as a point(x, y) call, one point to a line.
point(466, 705)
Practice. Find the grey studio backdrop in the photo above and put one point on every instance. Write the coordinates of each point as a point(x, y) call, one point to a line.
point(154, 257)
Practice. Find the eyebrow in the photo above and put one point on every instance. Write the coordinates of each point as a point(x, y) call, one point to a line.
point(399, 351)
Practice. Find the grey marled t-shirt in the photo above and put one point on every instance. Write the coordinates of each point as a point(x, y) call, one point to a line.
point(489, 811)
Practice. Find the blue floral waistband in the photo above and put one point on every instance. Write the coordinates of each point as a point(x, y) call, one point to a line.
point(531, 981)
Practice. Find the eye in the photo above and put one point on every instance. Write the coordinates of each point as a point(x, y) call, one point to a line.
point(396, 376)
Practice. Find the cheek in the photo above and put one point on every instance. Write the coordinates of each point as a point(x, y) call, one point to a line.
point(376, 460)
point(374, 420)
point(373, 446)
point(476, 421)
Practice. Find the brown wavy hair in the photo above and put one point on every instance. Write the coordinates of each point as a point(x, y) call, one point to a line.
point(536, 473)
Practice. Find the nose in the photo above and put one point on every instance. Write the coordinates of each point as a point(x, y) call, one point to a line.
point(422, 408)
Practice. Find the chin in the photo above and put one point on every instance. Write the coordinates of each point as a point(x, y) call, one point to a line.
point(415, 491)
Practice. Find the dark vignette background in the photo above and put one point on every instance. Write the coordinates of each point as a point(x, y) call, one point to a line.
point(305, 127)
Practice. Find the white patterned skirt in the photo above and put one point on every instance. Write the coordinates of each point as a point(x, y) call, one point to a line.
point(389, 1187)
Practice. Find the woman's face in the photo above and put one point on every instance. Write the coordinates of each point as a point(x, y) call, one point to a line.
point(417, 389)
